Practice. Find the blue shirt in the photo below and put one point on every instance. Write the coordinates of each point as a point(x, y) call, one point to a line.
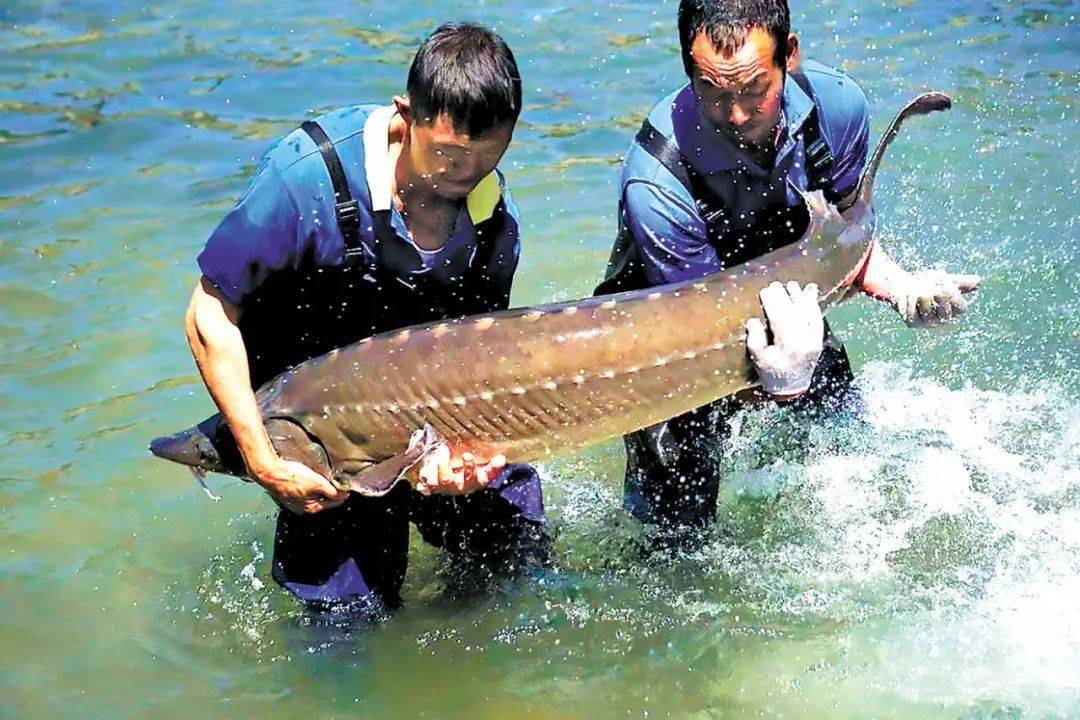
point(285, 218)
point(668, 237)
point(280, 256)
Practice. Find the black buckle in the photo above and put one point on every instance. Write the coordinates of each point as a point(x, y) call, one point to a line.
point(818, 155)
point(347, 211)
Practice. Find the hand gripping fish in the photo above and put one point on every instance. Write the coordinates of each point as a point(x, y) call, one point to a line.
point(532, 382)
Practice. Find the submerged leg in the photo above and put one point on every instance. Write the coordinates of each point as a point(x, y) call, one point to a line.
point(674, 470)
point(494, 532)
point(355, 554)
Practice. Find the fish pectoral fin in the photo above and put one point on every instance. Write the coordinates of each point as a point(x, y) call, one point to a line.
point(817, 202)
point(378, 479)
point(375, 480)
point(820, 207)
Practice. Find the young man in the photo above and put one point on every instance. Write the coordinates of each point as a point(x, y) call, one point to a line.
point(368, 219)
point(712, 181)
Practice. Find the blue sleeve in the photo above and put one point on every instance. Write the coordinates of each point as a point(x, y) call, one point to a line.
point(255, 239)
point(670, 235)
point(849, 136)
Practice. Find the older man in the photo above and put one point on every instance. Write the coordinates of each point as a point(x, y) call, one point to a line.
point(713, 179)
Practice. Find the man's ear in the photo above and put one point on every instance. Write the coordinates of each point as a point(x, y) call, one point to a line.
point(794, 59)
point(404, 108)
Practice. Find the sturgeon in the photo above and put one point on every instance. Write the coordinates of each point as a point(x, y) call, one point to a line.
point(532, 382)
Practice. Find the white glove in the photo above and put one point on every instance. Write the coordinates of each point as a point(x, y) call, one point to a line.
point(786, 366)
point(930, 297)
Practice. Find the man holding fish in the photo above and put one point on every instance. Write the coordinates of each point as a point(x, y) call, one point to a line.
point(715, 178)
point(369, 219)
point(362, 221)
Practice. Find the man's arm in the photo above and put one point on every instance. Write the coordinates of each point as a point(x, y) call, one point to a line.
point(669, 234)
point(219, 351)
point(922, 298)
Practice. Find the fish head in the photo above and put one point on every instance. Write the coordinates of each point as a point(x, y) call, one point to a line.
point(210, 447)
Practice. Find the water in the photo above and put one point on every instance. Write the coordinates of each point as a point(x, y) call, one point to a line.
point(922, 562)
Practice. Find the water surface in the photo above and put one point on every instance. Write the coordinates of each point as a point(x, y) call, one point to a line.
point(922, 561)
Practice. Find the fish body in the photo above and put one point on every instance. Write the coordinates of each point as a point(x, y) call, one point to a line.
point(532, 382)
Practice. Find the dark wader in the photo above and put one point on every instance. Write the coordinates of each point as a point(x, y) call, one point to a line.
point(673, 469)
point(359, 551)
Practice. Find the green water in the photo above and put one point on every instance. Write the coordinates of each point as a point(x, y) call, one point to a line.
point(924, 563)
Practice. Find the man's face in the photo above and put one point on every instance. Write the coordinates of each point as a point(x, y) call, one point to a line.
point(740, 93)
point(454, 163)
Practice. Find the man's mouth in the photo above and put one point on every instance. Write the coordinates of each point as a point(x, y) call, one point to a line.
point(749, 139)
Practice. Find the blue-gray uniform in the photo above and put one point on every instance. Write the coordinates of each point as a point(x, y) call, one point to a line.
point(692, 203)
point(316, 257)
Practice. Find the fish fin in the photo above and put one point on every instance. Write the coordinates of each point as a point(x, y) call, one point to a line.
point(378, 479)
point(200, 477)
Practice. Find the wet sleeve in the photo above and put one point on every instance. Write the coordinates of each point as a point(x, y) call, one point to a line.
point(850, 131)
point(670, 235)
point(257, 238)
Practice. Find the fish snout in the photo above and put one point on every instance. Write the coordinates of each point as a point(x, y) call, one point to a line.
point(204, 446)
point(183, 448)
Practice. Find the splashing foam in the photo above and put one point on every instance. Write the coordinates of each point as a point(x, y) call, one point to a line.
point(988, 533)
point(938, 531)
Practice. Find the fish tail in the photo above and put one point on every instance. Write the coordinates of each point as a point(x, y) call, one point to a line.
point(921, 105)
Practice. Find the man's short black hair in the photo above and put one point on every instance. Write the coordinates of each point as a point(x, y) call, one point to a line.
point(728, 22)
point(467, 72)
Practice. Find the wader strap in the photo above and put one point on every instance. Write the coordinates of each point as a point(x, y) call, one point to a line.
point(656, 144)
point(486, 232)
point(653, 142)
point(819, 158)
point(346, 210)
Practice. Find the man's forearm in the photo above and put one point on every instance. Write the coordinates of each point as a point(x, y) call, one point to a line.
point(219, 351)
point(881, 275)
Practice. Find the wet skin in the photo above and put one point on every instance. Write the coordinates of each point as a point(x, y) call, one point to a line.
point(436, 167)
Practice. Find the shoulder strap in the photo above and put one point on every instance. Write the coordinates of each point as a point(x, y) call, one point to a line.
point(660, 147)
point(346, 209)
point(653, 142)
point(486, 232)
point(819, 158)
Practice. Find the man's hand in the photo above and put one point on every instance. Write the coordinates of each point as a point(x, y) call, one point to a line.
point(787, 365)
point(924, 298)
point(298, 488)
point(444, 474)
point(931, 297)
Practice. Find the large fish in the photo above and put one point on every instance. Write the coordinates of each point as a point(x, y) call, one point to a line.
point(533, 382)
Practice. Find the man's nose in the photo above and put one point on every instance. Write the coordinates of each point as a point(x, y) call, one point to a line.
point(737, 116)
